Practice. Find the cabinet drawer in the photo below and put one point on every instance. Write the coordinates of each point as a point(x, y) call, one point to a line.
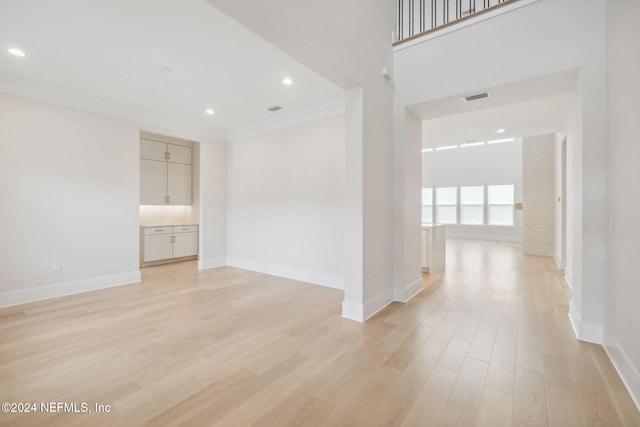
point(185, 229)
point(157, 230)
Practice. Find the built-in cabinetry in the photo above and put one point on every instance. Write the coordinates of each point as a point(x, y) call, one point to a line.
point(168, 243)
point(434, 248)
point(165, 173)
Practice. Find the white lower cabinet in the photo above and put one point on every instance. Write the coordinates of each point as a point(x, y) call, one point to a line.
point(168, 243)
point(185, 241)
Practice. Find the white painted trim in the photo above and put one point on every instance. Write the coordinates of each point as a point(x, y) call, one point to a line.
point(289, 119)
point(377, 303)
point(363, 312)
point(314, 277)
point(585, 331)
point(466, 23)
point(69, 288)
point(568, 278)
point(353, 311)
point(206, 264)
point(559, 263)
point(408, 292)
point(622, 363)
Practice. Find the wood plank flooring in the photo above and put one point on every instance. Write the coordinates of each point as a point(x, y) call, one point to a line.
point(488, 343)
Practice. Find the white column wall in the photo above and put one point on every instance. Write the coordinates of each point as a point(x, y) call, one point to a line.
point(622, 335)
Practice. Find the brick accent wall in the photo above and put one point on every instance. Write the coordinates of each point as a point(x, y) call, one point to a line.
point(538, 195)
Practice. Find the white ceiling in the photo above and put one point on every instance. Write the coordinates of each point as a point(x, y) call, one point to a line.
point(535, 117)
point(107, 55)
point(524, 108)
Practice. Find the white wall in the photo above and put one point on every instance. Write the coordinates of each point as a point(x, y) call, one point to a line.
point(286, 202)
point(541, 38)
point(348, 43)
point(212, 196)
point(70, 194)
point(622, 335)
point(486, 164)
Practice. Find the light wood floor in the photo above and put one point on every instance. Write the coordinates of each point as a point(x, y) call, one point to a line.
point(486, 344)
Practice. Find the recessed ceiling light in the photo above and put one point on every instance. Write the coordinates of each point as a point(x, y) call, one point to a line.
point(209, 111)
point(287, 81)
point(15, 51)
point(500, 131)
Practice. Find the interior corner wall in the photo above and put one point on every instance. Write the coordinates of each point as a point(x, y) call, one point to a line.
point(538, 194)
point(70, 185)
point(622, 335)
point(286, 207)
point(356, 65)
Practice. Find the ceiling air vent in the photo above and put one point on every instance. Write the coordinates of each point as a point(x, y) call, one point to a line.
point(275, 108)
point(476, 97)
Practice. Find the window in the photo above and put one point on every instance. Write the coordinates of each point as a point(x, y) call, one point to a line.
point(500, 204)
point(427, 205)
point(447, 205)
point(472, 205)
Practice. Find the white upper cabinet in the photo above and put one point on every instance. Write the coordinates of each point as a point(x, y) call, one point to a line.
point(165, 173)
point(153, 150)
point(178, 154)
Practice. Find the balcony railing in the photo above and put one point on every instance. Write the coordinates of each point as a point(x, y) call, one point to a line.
point(418, 17)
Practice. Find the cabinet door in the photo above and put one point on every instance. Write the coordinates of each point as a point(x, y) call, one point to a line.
point(179, 184)
point(153, 182)
point(179, 154)
point(153, 150)
point(425, 250)
point(185, 244)
point(157, 247)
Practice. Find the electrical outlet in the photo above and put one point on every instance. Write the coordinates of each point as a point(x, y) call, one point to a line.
point(56, 266)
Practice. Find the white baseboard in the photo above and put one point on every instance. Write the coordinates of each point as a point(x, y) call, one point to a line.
point(363, 312)
point(353, 311)
point(567, 278)
point(68, 288)
point(206, 264)
point(408, 292)
point(627, 371)
point(585, 331)
point(560, 264)
point(328, 280)
point(377, 303)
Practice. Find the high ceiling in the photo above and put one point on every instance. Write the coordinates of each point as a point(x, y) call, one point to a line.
point(162, 62)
